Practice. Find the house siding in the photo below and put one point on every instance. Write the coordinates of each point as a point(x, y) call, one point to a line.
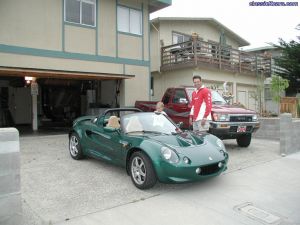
point(80, 39)
point(38, 28)
point(107, 23)
point(31, 23)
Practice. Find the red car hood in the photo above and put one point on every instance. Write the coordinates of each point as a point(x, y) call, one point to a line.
point(231, 109)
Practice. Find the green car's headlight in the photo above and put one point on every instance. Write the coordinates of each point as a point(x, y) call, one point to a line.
point(169, 155)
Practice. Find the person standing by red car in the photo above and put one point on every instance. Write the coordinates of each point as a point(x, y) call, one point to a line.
point(201, 103)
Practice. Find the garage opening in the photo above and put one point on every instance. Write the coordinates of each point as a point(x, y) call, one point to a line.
point(56, 97)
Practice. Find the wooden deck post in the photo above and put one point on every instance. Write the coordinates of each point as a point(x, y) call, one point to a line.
point(195, 40)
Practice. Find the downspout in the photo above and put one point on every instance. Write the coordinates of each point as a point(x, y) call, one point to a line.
point(158, 46)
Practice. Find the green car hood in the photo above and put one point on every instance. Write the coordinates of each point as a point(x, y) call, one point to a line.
point(196, 147)
point(179, 140)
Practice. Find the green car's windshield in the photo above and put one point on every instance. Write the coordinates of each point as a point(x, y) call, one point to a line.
point(147, 123)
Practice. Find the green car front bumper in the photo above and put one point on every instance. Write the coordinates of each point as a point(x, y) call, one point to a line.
point(182, 172)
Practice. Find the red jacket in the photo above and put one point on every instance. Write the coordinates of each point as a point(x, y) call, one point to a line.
point(201, 104)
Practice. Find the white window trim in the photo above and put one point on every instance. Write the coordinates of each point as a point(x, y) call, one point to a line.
point(141, 24)
point(80, 13)
point(177, 34)
point(183, 35)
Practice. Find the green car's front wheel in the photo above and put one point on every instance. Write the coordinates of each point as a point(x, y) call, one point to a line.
point(141, 171)
point(75, 147)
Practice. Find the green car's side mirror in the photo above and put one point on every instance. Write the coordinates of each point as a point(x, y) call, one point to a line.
point(180, 124)
point(111, 129)
point(94, 120)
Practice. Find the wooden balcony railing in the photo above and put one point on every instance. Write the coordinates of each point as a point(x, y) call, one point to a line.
point(206, 54)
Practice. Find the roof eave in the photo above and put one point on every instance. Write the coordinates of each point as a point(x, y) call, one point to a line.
point(241, 41)
point(155, 5)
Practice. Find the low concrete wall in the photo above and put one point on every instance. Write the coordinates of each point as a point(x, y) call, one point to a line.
point(10, 193)
point(269, 129)
point(289, 134)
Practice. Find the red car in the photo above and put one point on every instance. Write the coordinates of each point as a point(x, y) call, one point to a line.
point(228, 121)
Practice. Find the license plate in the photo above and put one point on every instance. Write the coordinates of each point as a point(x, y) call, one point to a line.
point(241, 129)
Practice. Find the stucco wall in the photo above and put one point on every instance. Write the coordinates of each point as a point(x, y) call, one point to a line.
point(80, 39)
point(107, 32)
point(27, 61)
point(31, 23)
point(130, 46)
point(40, 25)
point(155, 47)
point(137, 88)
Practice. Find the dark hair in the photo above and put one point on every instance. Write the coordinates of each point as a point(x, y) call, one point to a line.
point(197, 77)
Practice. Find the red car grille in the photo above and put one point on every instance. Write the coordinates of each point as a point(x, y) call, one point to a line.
point(240, 118)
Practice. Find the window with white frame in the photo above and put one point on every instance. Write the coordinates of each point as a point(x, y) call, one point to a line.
point(129, 20)
point(179, 38)
point(81, 12)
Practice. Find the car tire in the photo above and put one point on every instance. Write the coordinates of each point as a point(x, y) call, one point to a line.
point(75, 147)
point(141, 171)
point(244, 140)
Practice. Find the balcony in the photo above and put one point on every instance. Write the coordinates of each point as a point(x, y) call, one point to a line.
point(203, 54)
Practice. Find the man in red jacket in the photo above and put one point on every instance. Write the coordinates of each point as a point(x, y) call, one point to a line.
point(201, 106)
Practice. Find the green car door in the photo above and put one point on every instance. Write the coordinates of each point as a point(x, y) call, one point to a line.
point(107, 144)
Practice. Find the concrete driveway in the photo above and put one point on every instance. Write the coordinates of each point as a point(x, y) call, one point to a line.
point(57, 189)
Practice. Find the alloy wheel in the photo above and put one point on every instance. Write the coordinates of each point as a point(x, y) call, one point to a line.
point(138, 170)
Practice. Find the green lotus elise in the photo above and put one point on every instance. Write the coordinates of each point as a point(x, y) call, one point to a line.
point(149, 145)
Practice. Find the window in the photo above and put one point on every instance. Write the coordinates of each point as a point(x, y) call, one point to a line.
point(129, 20)
point(179, 38)
point(81, 12)
point(179, 96)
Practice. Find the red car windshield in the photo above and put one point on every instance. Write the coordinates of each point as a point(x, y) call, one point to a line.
point(216, 97)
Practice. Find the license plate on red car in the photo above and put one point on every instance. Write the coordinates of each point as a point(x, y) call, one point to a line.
point(241, 129)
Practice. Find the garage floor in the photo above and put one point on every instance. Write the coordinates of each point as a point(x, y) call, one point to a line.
point(56, 188)
point(26, 130)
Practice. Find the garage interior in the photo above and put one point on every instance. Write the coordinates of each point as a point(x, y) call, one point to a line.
point(42, 100)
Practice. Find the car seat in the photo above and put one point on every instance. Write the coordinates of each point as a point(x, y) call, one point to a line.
point(134, 124)
point(113, 122)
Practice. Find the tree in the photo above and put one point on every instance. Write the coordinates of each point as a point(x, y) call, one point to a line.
point(290, 63)
point(278, 85)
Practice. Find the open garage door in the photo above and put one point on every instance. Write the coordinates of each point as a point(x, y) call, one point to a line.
point(58, 96)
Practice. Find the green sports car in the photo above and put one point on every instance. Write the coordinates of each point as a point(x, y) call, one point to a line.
point(149, 145)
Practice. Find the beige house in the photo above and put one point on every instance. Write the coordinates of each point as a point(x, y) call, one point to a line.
point(78, 56)
point(184, 47)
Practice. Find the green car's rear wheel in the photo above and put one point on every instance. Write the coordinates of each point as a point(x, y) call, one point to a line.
point(75, 147)
point(141, 171)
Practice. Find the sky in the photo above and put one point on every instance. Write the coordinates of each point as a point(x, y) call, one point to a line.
point(258, 25)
